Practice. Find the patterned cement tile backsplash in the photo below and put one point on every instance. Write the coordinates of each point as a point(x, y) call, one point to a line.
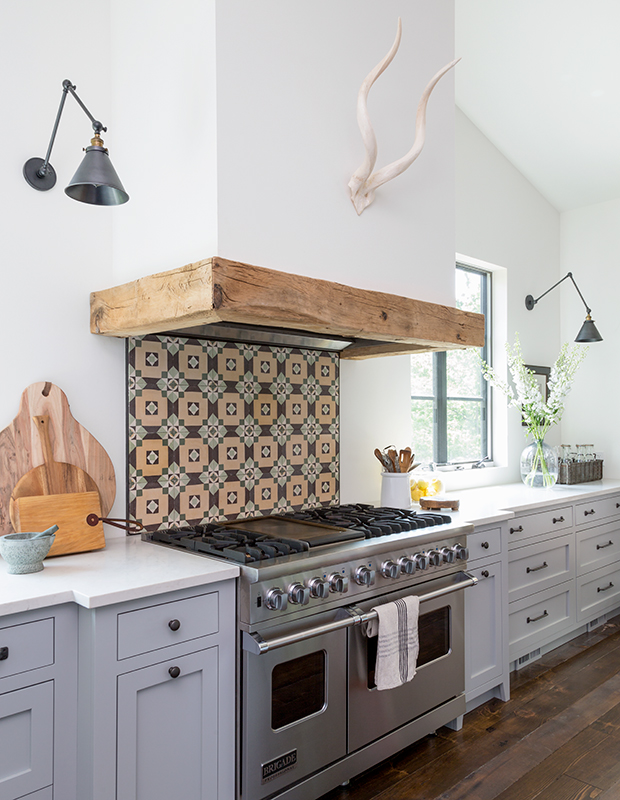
point(219, 430)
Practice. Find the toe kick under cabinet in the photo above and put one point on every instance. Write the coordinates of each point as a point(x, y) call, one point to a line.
point(157, 697)
point(563, 572)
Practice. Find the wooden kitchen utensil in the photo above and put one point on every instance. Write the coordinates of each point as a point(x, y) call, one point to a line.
point(57, 493)
point(21, 447)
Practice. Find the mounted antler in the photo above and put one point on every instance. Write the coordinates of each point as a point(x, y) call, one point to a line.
point(364, 182)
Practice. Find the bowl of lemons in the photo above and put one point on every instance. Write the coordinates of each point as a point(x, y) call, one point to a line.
point(426, 484)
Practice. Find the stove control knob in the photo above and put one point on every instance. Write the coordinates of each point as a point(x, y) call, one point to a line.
point(364, 576)
point(338, 583)
point(276, 600)
point(461, 552)
point(318, 587)
point(298, 594)
point(421, 560)
point(390, 569)
point(435, 558)
point(448, 554)
point(407, 565)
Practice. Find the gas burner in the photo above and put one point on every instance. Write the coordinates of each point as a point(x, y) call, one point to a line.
point(371, 521)
point(244, 547)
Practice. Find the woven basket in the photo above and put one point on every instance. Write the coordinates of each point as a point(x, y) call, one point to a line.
point(581, 471)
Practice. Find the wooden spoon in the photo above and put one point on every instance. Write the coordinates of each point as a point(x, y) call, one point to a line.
point(393, 456)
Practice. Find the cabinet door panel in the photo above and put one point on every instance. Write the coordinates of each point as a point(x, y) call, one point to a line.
point(539, 566)
point(483, 623)
point(167, 730)
point(26, 740)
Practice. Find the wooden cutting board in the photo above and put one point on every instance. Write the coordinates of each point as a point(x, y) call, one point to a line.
point(59, 492)
point(21, 448)
point(69, 511)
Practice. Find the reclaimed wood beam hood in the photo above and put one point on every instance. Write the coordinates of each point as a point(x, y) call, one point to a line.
point(218, 292)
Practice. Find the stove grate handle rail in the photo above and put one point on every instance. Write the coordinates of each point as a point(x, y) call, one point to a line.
point(351, 615)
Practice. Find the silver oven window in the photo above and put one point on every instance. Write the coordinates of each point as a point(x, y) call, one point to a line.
point(298, 689)
point(434, 636)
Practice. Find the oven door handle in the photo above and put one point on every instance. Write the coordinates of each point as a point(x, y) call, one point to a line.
point(347, 618)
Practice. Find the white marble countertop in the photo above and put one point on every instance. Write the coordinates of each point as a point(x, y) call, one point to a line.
point(126, 569)
point(490, 504)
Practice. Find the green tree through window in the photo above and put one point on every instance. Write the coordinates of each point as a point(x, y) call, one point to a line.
point(449, 399)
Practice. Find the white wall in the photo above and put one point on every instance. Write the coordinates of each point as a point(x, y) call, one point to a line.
point(163, 69)
point(288, 75)
point(55, 250)
point(502, 219)
point(591, 251)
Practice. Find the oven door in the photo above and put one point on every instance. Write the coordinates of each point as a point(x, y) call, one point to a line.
point(440, 672)
point(293, 711)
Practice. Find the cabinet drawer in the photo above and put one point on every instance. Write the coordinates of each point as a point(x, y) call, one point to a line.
point(540, 566)
point(27, 736)
point(540, 618)
point(594, 510)
point(598, 547)
point(25, 647)
point(166, 624)
point(527, 526)
point(485, 543)
point(598, 591)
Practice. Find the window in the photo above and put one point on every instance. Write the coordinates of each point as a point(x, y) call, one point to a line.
point(449, 397)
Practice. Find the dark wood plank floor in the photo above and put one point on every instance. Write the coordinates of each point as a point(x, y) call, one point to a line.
point(558, 738)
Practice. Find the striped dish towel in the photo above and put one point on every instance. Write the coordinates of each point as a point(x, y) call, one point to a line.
point(398, 645)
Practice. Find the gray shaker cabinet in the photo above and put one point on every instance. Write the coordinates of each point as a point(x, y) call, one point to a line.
point(38, 697)
point(157, 697)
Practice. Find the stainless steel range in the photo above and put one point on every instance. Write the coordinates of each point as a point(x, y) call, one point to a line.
point(311, 716)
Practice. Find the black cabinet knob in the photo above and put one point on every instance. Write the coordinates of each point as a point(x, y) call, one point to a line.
point(174, 624)
point(485, 545)
point(4, 653)
point(174, 672)
point(485, 573)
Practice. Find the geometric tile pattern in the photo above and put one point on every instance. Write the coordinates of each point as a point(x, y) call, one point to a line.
point(220, 430)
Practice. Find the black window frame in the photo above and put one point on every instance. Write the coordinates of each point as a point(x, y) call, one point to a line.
point(440, 395)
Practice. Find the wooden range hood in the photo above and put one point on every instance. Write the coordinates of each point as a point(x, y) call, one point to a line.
point(203, 298)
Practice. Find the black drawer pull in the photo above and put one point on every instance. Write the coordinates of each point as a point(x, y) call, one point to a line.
point(605, 588)
point(517, 530)
point(4, 653)
point(485, 545)
point(603, 546)
point(558, 519)
point(174, 624)
point(174, 672)
point(485, 573)
point(591, 511)
point(544, 565)
point(617, 505)
point(535, 619)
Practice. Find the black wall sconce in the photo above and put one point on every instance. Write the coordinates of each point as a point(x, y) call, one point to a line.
point(95, 181)
point(588, 332)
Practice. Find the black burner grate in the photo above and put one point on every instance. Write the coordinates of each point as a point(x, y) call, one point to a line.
point(246, 547)
point(372, 521)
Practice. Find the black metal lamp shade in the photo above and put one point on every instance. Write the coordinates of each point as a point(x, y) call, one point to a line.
point(96, 181)
point(588, 332)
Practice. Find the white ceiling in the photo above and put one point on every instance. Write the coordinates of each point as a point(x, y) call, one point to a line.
point(541, 80)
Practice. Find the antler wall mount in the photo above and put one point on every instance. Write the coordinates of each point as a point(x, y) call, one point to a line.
point(364, 182)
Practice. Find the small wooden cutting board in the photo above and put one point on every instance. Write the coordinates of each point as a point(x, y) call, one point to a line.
point(428, 504)
point(69, 512)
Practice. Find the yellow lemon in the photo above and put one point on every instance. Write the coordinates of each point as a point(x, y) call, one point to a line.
point(416, 494)
point(423, 486)
point(435, 487)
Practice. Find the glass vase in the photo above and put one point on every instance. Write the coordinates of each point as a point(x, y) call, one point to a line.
point(539, 465)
